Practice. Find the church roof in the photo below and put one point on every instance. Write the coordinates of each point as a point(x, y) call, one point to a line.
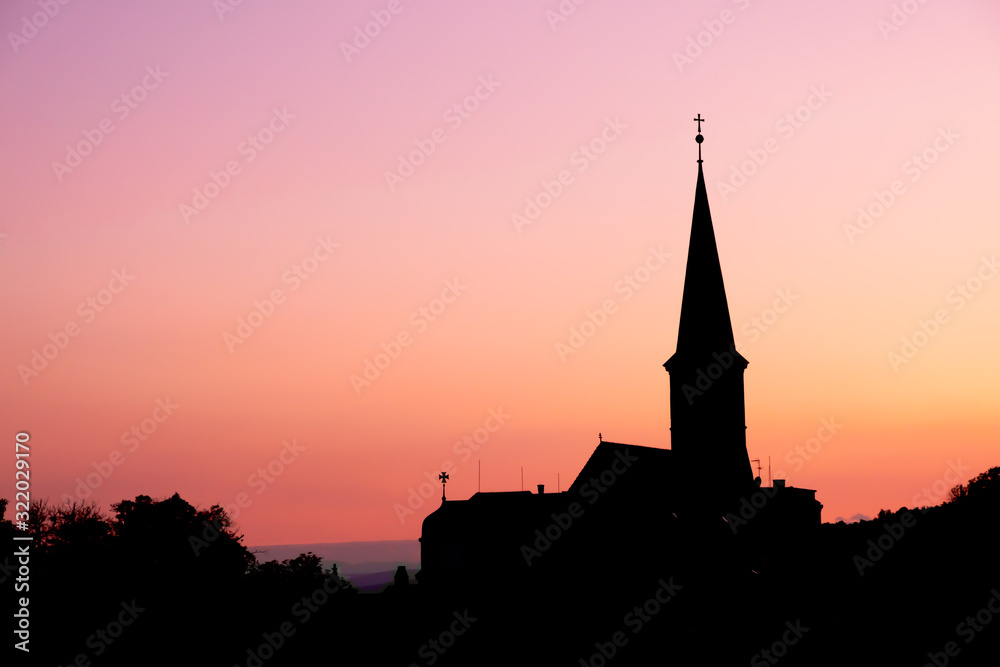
point(654, 461)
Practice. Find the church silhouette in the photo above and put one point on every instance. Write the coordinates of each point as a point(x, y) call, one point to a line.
point(705, 477)
point(693, 515)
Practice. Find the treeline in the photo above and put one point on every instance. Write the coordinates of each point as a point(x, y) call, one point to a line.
point(982, 487)
point(156, 579)
point(160, 582)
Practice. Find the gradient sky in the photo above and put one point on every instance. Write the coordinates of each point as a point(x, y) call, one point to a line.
point(832, 103)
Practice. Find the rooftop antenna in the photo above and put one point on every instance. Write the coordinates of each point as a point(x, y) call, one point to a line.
point(444, 480)
point(769, 478)
point(522, 478)
point(480, 475)
point(558, 487)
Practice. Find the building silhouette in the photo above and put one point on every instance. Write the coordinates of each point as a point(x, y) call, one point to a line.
point(635, 510)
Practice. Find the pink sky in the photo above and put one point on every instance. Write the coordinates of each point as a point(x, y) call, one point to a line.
point(308, 135)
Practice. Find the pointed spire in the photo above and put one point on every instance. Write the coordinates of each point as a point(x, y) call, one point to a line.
point(705, 326)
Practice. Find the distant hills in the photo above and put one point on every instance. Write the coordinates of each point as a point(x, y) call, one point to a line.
point(369, 565)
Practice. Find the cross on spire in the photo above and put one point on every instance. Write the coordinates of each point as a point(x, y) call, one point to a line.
point(444, 480)
point(698, 137)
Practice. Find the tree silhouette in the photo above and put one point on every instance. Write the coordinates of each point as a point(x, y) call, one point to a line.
point(6, 525)
point(303, 573)
point(985, 483)
point(170, 538)
point(79, 525)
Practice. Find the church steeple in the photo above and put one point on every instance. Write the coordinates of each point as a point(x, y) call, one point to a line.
point(707, 410)
point(705, 323)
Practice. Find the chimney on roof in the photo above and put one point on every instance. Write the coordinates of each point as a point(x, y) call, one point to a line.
point(779, 483)
point(541, 489)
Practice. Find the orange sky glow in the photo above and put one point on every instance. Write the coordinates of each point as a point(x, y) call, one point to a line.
point(261, 258)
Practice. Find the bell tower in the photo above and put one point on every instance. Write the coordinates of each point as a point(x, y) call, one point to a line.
point(707, 408)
